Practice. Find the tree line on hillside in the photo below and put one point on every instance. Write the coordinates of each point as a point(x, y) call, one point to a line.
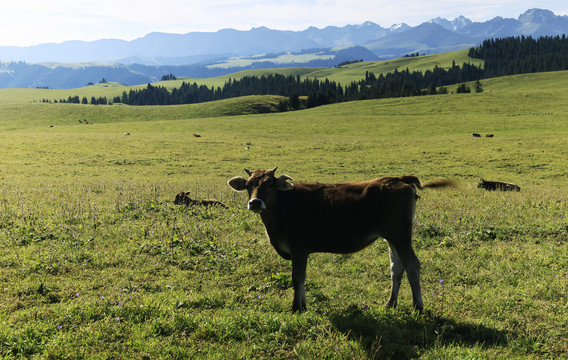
point(318, 92)
point(521, 55)
point(502, 57)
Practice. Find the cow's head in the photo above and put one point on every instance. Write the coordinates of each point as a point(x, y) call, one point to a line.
point(261, 186)
point(182, 198)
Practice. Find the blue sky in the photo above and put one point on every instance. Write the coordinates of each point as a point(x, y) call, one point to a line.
point(31, 22)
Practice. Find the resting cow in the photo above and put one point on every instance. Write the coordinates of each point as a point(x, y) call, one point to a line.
point(304, 218)
point(497, 185)
point(183, 199)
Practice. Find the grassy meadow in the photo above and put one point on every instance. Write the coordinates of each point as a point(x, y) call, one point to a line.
point(97, 262)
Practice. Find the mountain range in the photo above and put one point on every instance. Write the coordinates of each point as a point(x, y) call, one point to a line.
point(204, 54)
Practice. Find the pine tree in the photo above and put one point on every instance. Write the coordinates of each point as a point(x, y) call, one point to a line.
point(478, 87)
point(294, 101)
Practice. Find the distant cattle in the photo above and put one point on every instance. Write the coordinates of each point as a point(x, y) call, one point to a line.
point(303, 218)
point(196, 135)
point(183, 199)
point(476, 135)
point(126, 133)
point(489, 135)
point(497, 185)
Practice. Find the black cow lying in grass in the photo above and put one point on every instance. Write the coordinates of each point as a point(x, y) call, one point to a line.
point(183, 199)
point(497, 185)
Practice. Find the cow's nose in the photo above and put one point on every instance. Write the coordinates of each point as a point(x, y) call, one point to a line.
point(256, 205)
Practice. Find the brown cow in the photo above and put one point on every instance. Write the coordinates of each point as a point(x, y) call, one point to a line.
point(183, 199)
point(303, 218)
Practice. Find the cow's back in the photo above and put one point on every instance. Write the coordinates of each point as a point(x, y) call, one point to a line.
point(329, 217)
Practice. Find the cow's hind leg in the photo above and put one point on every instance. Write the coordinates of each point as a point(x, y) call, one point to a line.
point(403, 258)
point(299, 262)
point(411, 264)
point(397, 271)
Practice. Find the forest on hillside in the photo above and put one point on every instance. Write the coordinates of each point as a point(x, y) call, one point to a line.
point(507, 56)
point(522, 55)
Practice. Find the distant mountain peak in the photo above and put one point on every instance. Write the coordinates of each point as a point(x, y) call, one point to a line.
point(454, 25)
point(536, 16)
point(260, 28)
point(367, 24)
point(399, 27)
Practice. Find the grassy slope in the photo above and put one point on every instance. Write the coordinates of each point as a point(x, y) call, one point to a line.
point(96, 260)
point(344, 75)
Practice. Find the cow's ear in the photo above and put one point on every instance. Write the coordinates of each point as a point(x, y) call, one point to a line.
point(237, 183)
point(284, 185)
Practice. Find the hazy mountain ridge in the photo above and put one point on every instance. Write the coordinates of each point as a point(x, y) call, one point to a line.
point(64, 76)
point(205, 54)
point(230, 42)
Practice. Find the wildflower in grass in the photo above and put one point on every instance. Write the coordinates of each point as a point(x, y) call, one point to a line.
point(441, 281)
point(102, 297)
point(117, 318)
point(59, 326)
point(76, 295)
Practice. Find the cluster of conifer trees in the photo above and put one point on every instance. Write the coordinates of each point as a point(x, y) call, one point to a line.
point(521, 55)
point(319, 92)
point(507, 56)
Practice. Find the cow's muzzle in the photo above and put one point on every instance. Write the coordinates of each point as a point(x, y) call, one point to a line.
point(256, 205)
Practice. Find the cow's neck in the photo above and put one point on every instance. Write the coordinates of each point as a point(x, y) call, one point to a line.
point(269, 220)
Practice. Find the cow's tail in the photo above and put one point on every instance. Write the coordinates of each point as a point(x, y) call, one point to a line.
point(440, 183)
point(413, 180)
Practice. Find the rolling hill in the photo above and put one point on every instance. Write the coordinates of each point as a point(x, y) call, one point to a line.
point(344, 74)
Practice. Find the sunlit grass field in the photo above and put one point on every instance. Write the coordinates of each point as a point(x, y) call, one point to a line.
point(97, 262)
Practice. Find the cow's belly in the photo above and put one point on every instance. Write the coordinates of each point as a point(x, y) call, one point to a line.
point(338, 237)
point(347, 244)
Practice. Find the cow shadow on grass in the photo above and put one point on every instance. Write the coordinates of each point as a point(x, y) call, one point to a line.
point(393, 334)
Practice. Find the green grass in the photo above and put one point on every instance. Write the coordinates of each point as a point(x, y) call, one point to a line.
point(354, 72)
point(97, 262)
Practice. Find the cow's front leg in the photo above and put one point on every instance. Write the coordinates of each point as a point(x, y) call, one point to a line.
point(299, 262)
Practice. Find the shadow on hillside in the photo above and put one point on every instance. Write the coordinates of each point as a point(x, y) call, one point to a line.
point(395, 335)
